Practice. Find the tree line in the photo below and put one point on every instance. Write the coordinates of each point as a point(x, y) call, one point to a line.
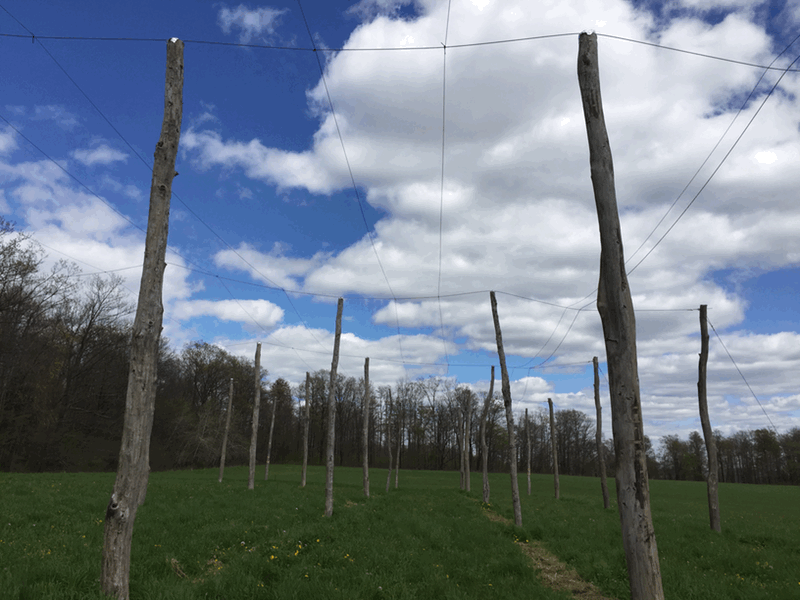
point(64, 351)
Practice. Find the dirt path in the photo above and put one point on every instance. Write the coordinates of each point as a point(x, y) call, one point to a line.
point(554, 573)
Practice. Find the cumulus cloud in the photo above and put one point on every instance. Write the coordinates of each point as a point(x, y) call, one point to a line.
point(99, 155)
point(250, 22)
point(258, 313)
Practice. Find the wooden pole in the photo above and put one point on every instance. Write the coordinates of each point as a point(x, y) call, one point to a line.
point(306, 421)
point(554, 448)
point(130, 486)
point(619, 330)
point(269, 440)
point(227, 429)
point(512, 436)
point(401, 414)
point(467, 444)
point(528, 446)
point(484, 447)
point(332, 413)
point(389, 441)
point(251, 480)
point(601, 453)
point(365, 430)
point(711, 444)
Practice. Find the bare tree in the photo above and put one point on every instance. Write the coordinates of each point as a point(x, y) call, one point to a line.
point(130, 486)
point(512, 437)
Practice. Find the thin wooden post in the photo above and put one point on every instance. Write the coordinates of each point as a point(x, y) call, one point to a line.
point(460, 442)
point(389, 441)
point(306, 421)
point(601, 452)
point(251, 479)
point(467, 444)
point(484, 447)
point(708, 434)
point(401, 414)
point(332, 413)
point(130, 486)
point(554, 448)
point(528, 446)
point(512, 436)
point(269, 440)
point(227, 428)
point(365, 430)
point(619, 331)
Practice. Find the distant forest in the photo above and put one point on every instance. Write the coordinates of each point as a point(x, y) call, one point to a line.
point(64, 349)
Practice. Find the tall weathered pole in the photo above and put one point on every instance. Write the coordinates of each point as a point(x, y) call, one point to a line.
point(468, 445)
point(388, 419)
point(306, 420)
point(554, 447)
point(484, 446)
point(130, 486)
point(365, 429)
point(512, 436)
point(708, 434)
point(251, 480)
point(619, 330)
point(332, 413)
point(528, 448)
point(269, 439)
point(601, 453)
point(227, 429)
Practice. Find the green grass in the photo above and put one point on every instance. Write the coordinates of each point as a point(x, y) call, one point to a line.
point(425, 540)
point(757, 556)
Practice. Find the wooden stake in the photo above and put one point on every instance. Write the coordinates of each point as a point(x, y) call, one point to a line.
point(306, 422)
point(554, 448)
point(269, 440)
point(227, 428)
point(251, 479)
point(619, 330)
point(484, 447)
point(711, 444)
point(528, 446)
point(512, 436)
point(601, 453)
point(332, 413)
point(130, 486)
point(365, 430)
point(389, 441)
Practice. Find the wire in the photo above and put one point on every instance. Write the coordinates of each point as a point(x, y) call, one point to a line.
point(742, 376)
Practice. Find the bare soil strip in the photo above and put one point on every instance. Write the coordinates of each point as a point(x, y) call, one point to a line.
point(554, 573)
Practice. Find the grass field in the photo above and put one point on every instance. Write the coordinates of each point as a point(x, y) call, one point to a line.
point(196, 538)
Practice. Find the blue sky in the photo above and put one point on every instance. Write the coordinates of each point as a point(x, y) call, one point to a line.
point(267, 230)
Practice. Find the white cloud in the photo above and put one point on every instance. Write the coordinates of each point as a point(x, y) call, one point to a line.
point(99, 155)
point(251, 23)
point(8, 143)
point(258, 313)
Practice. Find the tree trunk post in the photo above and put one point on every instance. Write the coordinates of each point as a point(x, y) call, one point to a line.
point(401, 418)
point(365, 430)
point(528, 447)
point(332, 413)
point(251, 480)
point(484, 446)
point(554, 448)
point(708, 434)
point(227, 429)
point(601, 455)
point(389, 441)
point(306, 421)
point(467, 445)
point(269, 439)
point(619, 330)
point(512, 436)
point(460, 443)
point(130, 486)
